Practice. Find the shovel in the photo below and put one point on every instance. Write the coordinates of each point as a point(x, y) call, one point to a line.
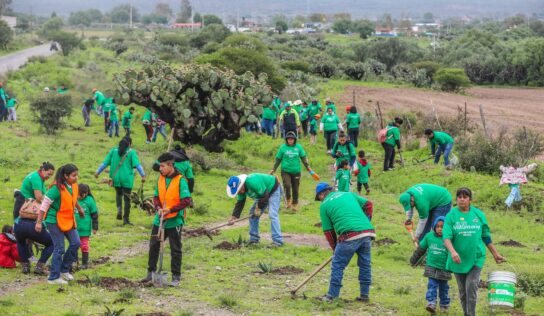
point(208, 231)
point(316, 271)
point(401, 159)
point(160, 278)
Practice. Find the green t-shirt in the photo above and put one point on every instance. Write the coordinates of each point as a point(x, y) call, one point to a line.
point(343, 176)
point(11, 103)
point(54, 194)
point(330, 106)
point(353, 120)
point(3, 95)
point(84, 225)
point(290, 157)
point(343, 212)
point(392, 135)
point(330, 122)
point(304, 113)
point(32, 182)
point(347, 150)
point(256, 185)
point(147, 117)
point(426, 197)
point(99, 98)
point(313, 124)
point(185, 168)
point(270, 112)
point(437, 254)
point(179, 220)
point(441, 138)
point(124, 177)
point(62, 91)
point(127, 119)
point(114, 117)
point(107, 106)
point(314, 109)
point(362, 176)
point(466, 230)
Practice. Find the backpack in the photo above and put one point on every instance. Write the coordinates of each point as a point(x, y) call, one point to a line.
point(382, 135)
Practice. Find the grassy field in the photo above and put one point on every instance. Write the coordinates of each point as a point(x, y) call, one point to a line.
point(228, 282)
point(20, 42)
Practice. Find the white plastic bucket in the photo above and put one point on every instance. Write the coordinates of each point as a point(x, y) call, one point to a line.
point(501, 289)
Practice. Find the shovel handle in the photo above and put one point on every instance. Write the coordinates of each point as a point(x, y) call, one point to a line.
point(316, 271)
point(226, 224)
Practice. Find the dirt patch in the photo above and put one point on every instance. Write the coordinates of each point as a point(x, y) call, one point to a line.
point(101, 260)
point(511, 243)
point(21, 133)
point(287, 270)
point(153, 314)
point(225, 245)
point(318, 225)
point(483, 284)
point(301, 240)
point(384, 242)
point(114, 284)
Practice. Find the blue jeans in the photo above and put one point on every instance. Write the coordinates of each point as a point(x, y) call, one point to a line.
point(440, 286)
point(515, 195)
point(267, 126)
point(62, 261)
point(446, 149)
point(114, 125)
point(434, 213)
point(274, 214)
point(24, 231)
point(342, 256)
point(159, 129)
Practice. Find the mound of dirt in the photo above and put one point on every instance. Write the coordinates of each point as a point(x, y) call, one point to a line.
point(385, 241)
point(225, 245)
point(287, 270)
point(512, 243)
point(101, 260)
point(115, 284)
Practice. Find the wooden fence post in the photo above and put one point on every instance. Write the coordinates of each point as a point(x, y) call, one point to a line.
point(380, 112)
point(465, 117)
point(483, 121)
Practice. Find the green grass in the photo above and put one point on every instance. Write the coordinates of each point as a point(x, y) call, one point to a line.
point(343, 39)
point(214, 279)
point(20, 42)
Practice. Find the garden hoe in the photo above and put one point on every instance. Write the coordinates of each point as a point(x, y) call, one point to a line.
point(316, 271)
point(160, 278)
point(210, 230)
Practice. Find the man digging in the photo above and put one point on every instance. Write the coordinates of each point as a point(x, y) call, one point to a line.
point(345, 219)
point(170, 200)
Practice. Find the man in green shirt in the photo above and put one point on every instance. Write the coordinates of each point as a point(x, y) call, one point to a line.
point(100, 100)
point(127, 120)
point(314, 108)
point(270, 114)
point(114, 119)
point(353, 122)
point(289, 120)
point(392, 138)
point(12, 113)
point(147, 121)
point(330, 105)
point(345, 219)
point(304, 118)
point(106, 110)
point(444, 141)
point(62, 89)
point(430, 200)
point(171, 199)
point(330, 124)
point(266, 191)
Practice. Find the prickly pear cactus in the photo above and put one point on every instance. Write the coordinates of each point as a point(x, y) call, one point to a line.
point(204, 104)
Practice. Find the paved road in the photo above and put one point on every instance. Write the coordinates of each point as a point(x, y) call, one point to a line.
point(16, 60)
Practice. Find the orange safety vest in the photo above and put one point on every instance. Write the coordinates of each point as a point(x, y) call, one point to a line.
point(66, 219)
point(169, 197)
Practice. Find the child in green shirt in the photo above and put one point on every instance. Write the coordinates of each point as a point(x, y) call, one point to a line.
point(343, 176)
point(87, 224)
point(435, 268)
point(313, 128)
point(363, 172)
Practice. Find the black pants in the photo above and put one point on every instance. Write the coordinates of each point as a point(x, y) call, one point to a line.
point(123, 195)
point(25, 232)
point(19, 201)
point(291, 182)
point(174, 238)
point(389, 158)
point(353, 134)
point(304, 127)
point(330, 138)
point(360, 185)
point(3, 113)
point(127, 130)
point(107, 122)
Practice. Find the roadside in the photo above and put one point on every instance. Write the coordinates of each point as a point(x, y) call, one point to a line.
point(15, 60)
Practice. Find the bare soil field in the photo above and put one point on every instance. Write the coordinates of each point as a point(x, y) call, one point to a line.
point(503, 107)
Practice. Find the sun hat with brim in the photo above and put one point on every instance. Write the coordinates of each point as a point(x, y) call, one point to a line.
point(297, 102)
point(404, 199)
point(234, 184)
point(320, 187)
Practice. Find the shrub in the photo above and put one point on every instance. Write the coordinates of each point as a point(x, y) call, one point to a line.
point(324, 67)
point(430, 67)
point(50, 110)
point(451, 79)
point(173, 39)
point(296, 65)
point(355, 71)
point(239, 40)
point(6, 34)
point(532, 284)
point(68, 41)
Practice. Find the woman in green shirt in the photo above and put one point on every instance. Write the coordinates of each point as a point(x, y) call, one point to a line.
point(330, 124)
point(122, 161)
point(33, 187)
point(466, 234)
point(289, 155)
point(353, 121)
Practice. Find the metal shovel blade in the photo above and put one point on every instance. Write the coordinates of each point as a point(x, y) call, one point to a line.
point(159, 279)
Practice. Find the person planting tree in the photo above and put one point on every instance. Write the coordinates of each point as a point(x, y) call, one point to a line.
point(345, 219)
point(330, 124)
point(391, 138)
point(466, 234)
point(171, 198)
point(441, 142)
point(289, 156)
point(430, 201)
point(266, 191)
point(344, 149)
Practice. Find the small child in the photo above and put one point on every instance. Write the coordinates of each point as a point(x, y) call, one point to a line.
point(514, 176)
point(343, 176)
point(8, 248)
point(363, 172)
point(313, 128)
point(435, 268)
point(85, 224)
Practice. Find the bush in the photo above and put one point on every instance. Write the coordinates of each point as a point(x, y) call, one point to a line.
point(173, 39)
point(49, 111)
point(6, 34)
point(296, 65)
point(68, 41)
point(355, 71)
point(451, 79)
point(325, 67)
point(430, 67)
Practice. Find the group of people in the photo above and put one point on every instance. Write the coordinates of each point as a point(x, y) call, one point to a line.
point(107, 108)
point(8, 106)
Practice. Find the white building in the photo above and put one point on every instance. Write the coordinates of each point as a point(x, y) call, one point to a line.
point(10, 20)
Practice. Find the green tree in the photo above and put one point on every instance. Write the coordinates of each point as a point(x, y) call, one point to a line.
point(185, 12)
point(79, 18)
point(298, 21)
point(210, 33)
point(121, 14)
point(428, 17)
point(392, 51)
point(163, 9)
point(68, 41)
point(208, 19)
point(50, 110)
point(197, 18)
point(365, 28)
point(154, 18)
point(4, 4)
point(451, 79)
point(281, 26)
point(6, 34)
point(342, 26)
point(318, 17)
point(240, 40)
point(50, 26)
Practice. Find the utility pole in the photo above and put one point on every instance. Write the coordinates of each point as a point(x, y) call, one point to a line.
point(130, 18)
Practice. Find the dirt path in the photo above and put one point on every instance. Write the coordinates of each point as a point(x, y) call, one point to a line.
point(503, 107)
point(16, 60)
point(301, 239)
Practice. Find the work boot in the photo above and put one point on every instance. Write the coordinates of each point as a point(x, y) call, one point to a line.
point(294, 207)
point(127, 222)
point(40, 269)
point(289, 204)
point(363, 299)
point(431, 308)
point(26, 267)
point(148, 278)
point(175, 280)
point(84, 260)
point(326, 298)
point(119, 214)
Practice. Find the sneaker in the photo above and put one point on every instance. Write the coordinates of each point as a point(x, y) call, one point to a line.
point(444, 309)
point(362, 298)
point(127, 222)
point(26, 267)
point(67, 276)
point(175, 281)
point(328, 152)
point(40, 269)
point(57, 281)
point(276, 245)
point(148, 278)
point(119, 215)
point(325, 298)
point(431, 308)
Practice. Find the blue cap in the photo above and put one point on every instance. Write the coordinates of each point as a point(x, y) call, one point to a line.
point(234, 184)
point(320, 187)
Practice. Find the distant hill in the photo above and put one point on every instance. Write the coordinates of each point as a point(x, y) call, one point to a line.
point(357, 8)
